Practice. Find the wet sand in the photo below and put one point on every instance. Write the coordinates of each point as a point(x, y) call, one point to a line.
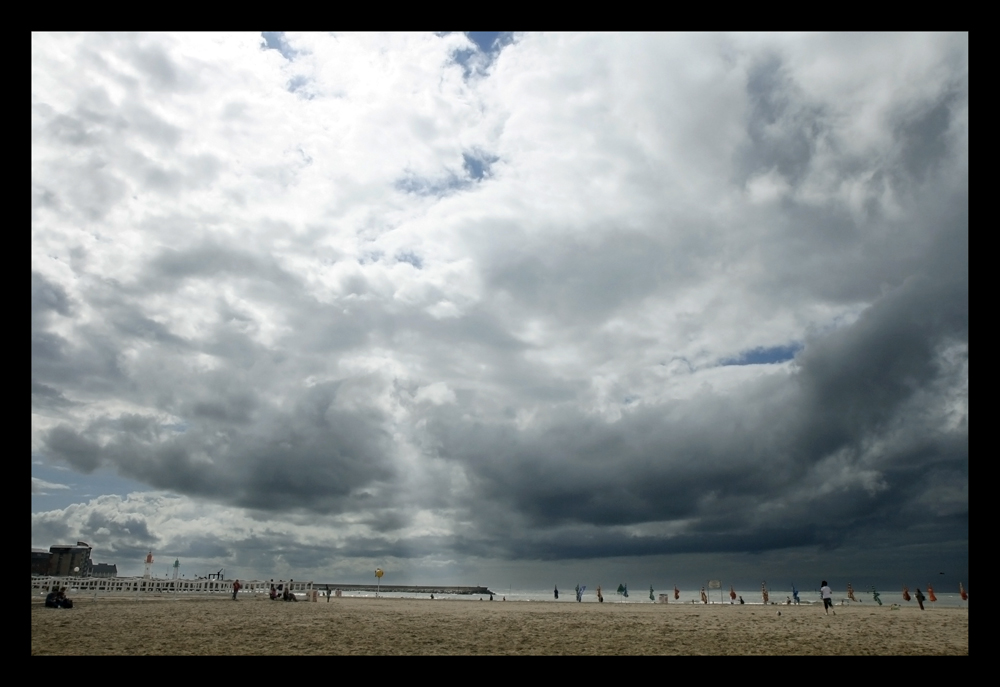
point(366, 626)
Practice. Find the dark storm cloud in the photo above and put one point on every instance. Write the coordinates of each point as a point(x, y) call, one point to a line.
point(171, 267)
point(47, 297)
point(584, 282)
point(782, 129)
point(718, 459)
point(129, 532)
point(310, 457)
point(45, 396)
point(923, 136)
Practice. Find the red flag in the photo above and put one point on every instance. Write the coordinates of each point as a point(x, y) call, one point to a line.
point(732, 593)
point(677, 593)
point(906, 593)
point(930, 593)
point(961, 592)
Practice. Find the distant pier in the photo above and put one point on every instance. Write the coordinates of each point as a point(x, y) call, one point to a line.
point(403, 589)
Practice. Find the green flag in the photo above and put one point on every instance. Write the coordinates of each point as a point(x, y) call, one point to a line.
point(651, 597)
point(621, 589)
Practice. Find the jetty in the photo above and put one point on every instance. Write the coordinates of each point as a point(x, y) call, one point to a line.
point(403, 589)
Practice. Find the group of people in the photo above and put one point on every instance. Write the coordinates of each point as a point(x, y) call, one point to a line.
point(56, 598)
point(286, 593)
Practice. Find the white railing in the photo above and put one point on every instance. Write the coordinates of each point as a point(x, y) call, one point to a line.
point(147, 585)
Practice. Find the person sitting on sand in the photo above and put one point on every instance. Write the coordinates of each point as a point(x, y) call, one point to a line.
point(61, 600)
point(52, 599)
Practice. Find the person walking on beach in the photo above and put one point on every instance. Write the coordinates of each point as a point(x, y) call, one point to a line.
point(827, 595)
point(920, 598)
point(236, 588)
point(556, 592)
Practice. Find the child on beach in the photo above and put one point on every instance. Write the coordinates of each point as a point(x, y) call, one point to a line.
point(827, 595)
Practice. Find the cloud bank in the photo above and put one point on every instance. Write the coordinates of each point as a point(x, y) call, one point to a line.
point(336, 300)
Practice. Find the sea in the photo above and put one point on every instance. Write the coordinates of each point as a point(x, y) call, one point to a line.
point(690, 596)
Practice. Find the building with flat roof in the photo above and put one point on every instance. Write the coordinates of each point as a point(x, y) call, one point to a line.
point(104, 570)
point(40, 562)
point(70, 561)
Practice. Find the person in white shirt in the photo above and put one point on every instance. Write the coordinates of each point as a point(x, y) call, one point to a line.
point(827, 595)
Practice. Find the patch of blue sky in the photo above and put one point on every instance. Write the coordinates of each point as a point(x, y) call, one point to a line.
point(299, 86)
point(478, 165)
point(432, 187)
point(80, 488)
point(764, 356)
point(485, 40)
point(475, 165)
point(275, 40)
point(465, 57)
point(488, 46)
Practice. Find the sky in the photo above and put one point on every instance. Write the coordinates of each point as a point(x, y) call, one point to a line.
point(509, 309)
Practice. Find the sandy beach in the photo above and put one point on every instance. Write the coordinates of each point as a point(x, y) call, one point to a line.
point(365, 626)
